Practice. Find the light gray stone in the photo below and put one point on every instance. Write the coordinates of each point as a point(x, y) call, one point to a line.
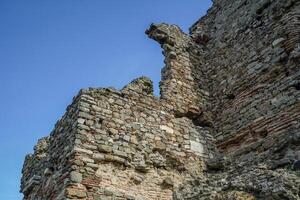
point(76, 177)
point(197, 147)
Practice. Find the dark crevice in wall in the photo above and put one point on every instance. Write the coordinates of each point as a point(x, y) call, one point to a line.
point(201, 39)
point(198, 119)
point(297, 86)
point(230, 96)
point(263, 6)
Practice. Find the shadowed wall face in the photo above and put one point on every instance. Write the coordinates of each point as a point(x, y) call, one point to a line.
point(250, 55)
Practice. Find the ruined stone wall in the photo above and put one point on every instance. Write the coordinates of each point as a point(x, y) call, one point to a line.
point(127, 144)
point(131, 146)
point(45, 171)
point(226, 125)
point(251, 51)
point(252, 56)
point(180, 86)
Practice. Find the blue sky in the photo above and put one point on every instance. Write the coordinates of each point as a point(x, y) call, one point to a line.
point(49, 49)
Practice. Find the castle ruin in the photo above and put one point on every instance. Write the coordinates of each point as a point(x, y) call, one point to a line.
point(226, 124)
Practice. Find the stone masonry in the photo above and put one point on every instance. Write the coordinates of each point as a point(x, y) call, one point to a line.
point(225, 127)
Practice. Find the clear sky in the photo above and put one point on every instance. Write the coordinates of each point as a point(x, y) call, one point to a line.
point(49, 49)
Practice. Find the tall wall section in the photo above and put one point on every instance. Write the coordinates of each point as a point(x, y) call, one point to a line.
point(251, 56)
point(124, 144)
point(45, 171)
point(252, 59)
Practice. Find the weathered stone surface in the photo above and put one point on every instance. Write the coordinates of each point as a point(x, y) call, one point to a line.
point(98, 157)
point(75, 193)
point(137, 179)
point(296, 165)
point(76, 177)
point(104, 148)
point(168, 182)
point(141, 85)
point(197, 147)
point(167, 129)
